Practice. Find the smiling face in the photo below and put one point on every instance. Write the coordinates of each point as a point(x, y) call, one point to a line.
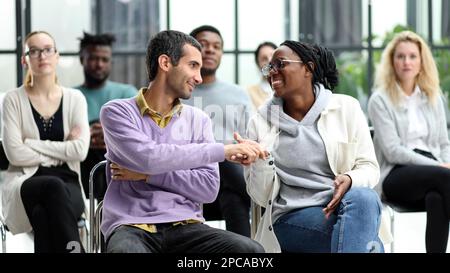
point(183, 78)
point(407, 61)
point(45, 62)
point(293, 76)
point(212, 51)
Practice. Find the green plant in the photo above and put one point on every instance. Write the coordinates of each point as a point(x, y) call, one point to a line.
point(352, 68)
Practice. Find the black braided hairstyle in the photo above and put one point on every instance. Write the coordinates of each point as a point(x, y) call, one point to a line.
point(324, 65)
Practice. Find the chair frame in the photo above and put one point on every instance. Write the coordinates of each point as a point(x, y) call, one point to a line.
point(3, 234)
point(94, 213)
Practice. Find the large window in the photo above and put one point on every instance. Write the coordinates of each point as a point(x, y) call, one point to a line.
point(445, 21)
point(133, 23)
point(243, 25)
point(335, 23)
point(218, 13)
point(386, 15)
point(356, 30)
point(8, 62)
point(68, 20)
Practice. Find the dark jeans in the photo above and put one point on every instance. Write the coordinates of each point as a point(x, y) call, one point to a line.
point(428, 187)
point(233, 198)
point(191, 238)
point(53, 207)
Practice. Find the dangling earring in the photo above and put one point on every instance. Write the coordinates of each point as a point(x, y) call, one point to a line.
point(31, 79)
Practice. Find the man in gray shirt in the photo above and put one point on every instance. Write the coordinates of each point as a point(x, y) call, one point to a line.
point(229, 108)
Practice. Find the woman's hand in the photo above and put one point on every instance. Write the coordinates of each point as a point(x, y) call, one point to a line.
point(120, 173)
point(342, 183)
point(254, 146)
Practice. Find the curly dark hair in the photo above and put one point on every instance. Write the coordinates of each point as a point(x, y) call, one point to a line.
point(105, 39)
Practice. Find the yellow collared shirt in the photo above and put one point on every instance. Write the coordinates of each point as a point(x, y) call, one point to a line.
point(158, 118)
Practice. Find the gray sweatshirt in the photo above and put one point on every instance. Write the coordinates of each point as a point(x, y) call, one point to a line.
point(300, 157)
point(228, 106)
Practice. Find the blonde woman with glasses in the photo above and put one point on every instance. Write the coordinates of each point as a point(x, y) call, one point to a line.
point(45, 136)
point(411, 138)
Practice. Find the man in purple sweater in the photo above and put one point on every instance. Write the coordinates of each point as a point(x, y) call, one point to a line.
point(163, 160)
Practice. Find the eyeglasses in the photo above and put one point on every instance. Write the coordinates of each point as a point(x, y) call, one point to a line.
point(276, 65)
point(36, 52)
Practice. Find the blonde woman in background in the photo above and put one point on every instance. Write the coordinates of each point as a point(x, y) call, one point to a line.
point(411, 138)
point(45, 136)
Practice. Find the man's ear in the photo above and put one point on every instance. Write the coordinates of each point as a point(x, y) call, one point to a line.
point(164, 62)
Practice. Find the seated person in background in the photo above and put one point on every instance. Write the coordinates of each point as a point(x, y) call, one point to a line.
point(316, 184)
point(260, 92)
point(164, 160)
point(96, 59)
point(45, 135)
point(229, 107)
point(411, 138)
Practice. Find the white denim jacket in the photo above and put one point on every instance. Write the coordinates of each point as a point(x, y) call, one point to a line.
point(348, 144)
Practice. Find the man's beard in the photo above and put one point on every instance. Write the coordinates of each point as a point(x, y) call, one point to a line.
point(93, 81)
point(208, 71)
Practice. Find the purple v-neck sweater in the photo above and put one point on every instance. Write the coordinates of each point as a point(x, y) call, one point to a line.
point(181, 160)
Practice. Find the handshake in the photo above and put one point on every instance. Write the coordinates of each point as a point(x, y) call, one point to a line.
point(245, 151)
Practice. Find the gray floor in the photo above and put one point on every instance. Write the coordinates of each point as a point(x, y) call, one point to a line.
point(409, 235)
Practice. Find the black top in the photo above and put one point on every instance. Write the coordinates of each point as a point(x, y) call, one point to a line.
point(53, 129)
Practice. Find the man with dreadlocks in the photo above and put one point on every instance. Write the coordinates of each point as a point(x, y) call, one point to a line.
point(96, 59)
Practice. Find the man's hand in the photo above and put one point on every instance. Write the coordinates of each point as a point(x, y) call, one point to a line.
point(243, 158)
point(342, 183)
point(97, 141)
point(120, 173)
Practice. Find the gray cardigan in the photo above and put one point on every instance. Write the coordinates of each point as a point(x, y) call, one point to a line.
point(391, 131)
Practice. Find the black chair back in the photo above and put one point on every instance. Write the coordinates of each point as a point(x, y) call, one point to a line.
point(4, 162)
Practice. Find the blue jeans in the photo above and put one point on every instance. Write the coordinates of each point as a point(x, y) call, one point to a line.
point(353, 227)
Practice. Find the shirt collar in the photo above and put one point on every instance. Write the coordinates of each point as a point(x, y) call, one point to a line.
point(144, 108)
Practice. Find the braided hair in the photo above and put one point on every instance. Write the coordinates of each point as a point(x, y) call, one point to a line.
point(319, 61)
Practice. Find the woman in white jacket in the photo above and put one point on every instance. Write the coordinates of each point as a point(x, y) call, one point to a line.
point(316, 184)
point(45, 136)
